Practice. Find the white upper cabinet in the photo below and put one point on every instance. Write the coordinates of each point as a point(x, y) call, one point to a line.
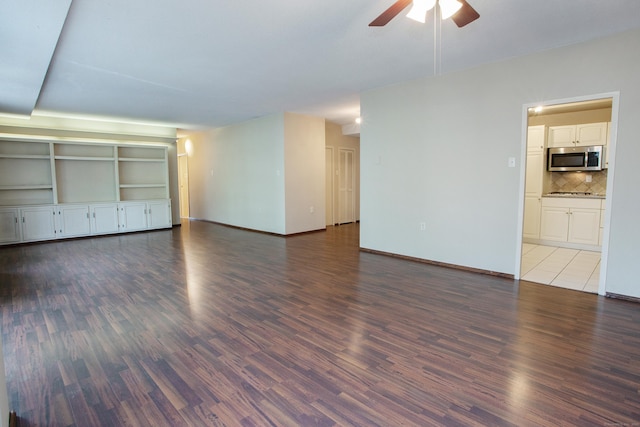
point(578, 135)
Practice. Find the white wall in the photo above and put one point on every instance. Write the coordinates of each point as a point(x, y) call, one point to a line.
point(304, 138)
point(264, 174)
point(436, 150)
point(236, 175)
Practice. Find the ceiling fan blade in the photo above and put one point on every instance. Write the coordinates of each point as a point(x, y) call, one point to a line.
point(390, 13)
point(465, 15)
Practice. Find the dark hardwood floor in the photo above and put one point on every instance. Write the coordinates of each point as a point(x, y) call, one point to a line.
point(210, 325)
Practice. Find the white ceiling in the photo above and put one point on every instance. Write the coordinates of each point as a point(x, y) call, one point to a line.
point(203, 63)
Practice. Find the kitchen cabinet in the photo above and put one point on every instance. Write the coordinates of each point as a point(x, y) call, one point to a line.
point(533, 181)
point(9, 225)
point(578, 135)
point(570, 220)
point(601, 223)
point(38, 223)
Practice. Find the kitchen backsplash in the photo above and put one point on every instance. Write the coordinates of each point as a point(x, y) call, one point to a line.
point(576, 181)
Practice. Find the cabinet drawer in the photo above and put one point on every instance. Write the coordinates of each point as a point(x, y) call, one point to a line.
point(568, 202)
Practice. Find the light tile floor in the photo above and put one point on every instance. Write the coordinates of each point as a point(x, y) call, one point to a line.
point(566, 268)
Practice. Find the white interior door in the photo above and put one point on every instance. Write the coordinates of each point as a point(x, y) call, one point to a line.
point(183, 182)
point(346, 184)
point(328, 176)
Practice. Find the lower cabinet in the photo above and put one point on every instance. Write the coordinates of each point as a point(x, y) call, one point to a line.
point(145, 215)
point(531, 226)
point(38, 223)
point(132, 216)
point(159, 214)
point(104, 218)
point(72, 220)
point(34, 223)
point(9, 225)
point(570, 220)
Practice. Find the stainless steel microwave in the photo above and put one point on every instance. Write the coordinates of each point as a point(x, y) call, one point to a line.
point(565, 159)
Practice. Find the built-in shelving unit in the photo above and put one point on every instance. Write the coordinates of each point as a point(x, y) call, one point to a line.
point(25, 173)
point(142, 173)
point(48, 187)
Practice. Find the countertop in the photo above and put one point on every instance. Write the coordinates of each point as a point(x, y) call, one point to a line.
point(576, 195)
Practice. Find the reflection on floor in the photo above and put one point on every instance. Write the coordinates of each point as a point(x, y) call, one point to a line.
point(566, 268)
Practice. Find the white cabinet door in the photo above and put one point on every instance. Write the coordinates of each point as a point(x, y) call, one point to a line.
point(133, 216)
point(591, 134)
point(531, 227)
point(159, 214)
point(73, 221)
point(535, 138)
point(9, 230)
point(38, 223)
point(533, 174)
point(104, 218)
point(554, 224)
point(562, 136)
point(583, 134)
point(584, 226)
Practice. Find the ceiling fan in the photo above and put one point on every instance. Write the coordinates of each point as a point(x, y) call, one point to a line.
point(459, 11)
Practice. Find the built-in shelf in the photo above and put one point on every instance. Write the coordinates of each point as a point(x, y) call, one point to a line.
point(55, 172)
point(142, 185)
point(133, 159)
point(87, 159)
point(26, 187)
point(25, 156)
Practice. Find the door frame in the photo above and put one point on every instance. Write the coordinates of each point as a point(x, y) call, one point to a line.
point(604, 254)
point(330, 192)
point(353, 183)
point(180, 184)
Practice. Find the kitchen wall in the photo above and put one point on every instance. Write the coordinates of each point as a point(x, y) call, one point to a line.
point(436, 150)
point(571, 118)
point(577, 181)
point(573, 181)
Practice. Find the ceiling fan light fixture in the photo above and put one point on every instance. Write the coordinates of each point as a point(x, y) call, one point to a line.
point(419, 10)
point(449, 7)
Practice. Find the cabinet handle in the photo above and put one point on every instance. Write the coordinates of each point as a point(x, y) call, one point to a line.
point(16, 218)
point(87, 214)
point(23, 220)
point(94, 214)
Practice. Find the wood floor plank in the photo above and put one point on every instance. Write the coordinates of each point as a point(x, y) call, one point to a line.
point(207, 325)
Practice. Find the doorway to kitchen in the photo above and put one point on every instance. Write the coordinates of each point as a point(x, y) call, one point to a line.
point(565, 214)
